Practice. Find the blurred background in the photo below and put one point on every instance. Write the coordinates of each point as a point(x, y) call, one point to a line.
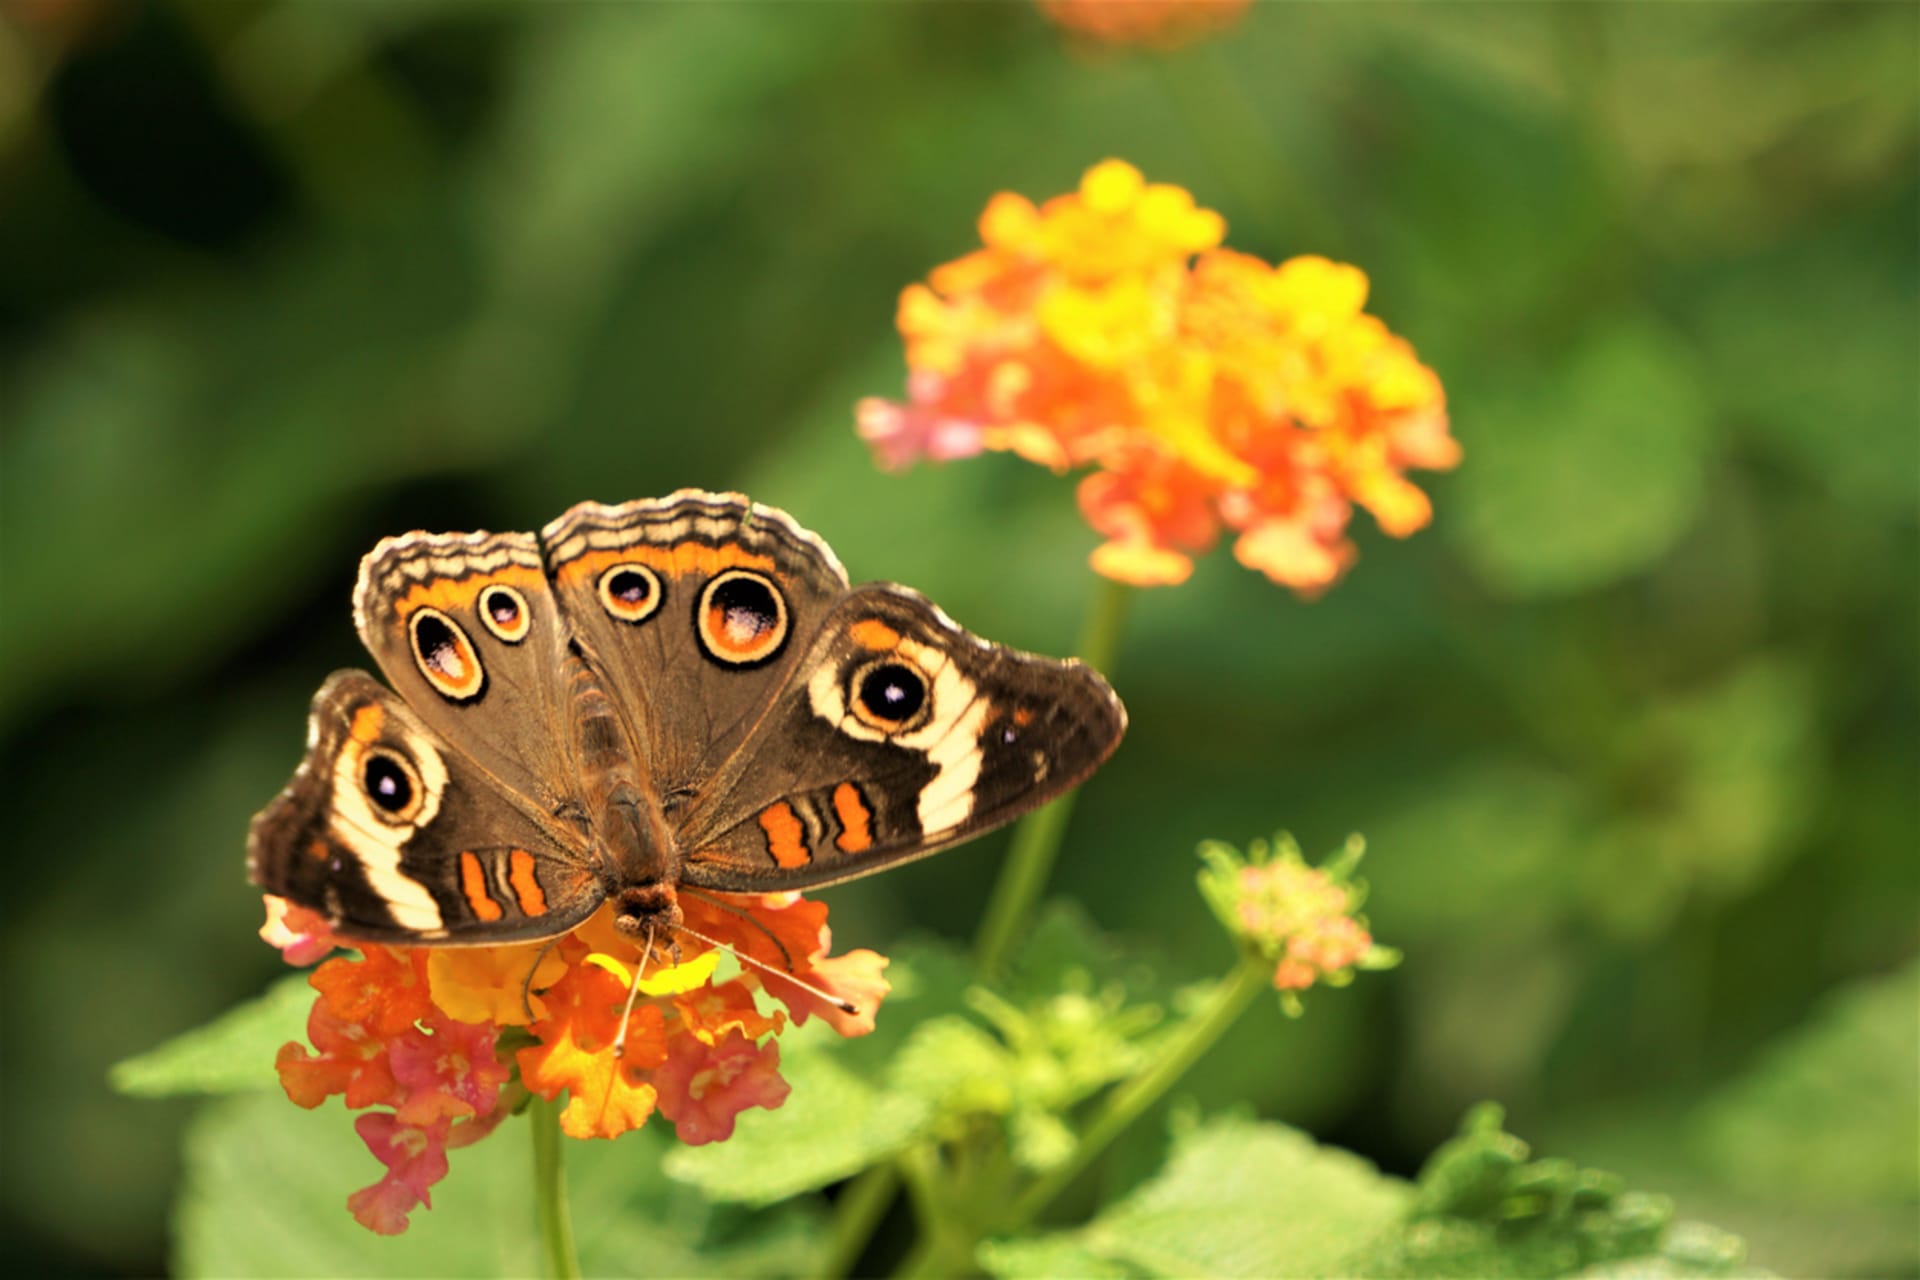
point(1631, 731)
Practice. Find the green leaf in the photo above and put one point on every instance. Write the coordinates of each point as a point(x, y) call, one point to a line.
point(266, 1185)
point(1588, 479)
point(956, 1066)
point(1830, 1113)
point(232, 1053)
point(1046, 1257)
point(1242, 1198)
point(1483, 1209)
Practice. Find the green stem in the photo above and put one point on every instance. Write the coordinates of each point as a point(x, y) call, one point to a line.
point(1126, 1104)
point(855, 1216)
point(550, 1192)
point(1036, 840)
point(941, 1249)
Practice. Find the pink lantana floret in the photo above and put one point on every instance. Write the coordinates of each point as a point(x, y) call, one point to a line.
point(299, 934)
point(703, 1087)
point(416, 1158)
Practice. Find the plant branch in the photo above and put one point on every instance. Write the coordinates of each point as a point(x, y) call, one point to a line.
point(855, 1216)
point(1127, 1102)
point(550, 1192)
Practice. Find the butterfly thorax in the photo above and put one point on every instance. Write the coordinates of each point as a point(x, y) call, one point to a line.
point(639, 862)
point(638, 858)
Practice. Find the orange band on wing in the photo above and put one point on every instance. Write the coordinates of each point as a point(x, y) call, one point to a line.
point(473, 883)
point(786, 837)
point(874, 634)
point(676, 561)
point(366, 723)
point(526, 885)
point(447, 594)
point(856, 819)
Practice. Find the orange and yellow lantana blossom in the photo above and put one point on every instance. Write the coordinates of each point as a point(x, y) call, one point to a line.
point(418, 1030)
point(1110, 329)
point(1155, 23)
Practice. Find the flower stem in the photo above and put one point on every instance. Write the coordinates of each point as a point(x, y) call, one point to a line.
point(550, 1192)
point(943, 1247)
point(857, 1212)
point(1036, 840)
point(1126, 1103)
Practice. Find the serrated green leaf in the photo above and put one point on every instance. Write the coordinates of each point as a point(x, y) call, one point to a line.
point(1483, 1209)
point(956, 1066)
point(1829, 1113)
point(267, 1183)
point(232, 1053)
point(1589, 479)
point(1242, 1198)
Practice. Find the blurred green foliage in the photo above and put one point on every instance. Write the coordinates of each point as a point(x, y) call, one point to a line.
point(1631, 733)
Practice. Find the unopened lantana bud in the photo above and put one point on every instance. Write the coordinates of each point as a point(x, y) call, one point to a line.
point(1303, 919)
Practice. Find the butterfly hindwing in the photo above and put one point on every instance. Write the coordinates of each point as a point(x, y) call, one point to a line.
point(898, 735)
point(397, 837)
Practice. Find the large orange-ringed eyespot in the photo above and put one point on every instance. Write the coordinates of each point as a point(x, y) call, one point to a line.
point(503, 611)
point(445, 656)
point(889, 694)
point(393, 785)
point(741, 618)
point(630, 592)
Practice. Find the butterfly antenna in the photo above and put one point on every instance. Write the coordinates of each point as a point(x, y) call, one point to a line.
point(786, 956)
point(844, 1006)
point(633, 992)
point(526, 984)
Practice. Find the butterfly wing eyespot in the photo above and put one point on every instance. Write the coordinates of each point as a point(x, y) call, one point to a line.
point(445, 656)
point(504, 612)
point(393, 786)
point(889, 695)
point(630, 592)
point(741, 619)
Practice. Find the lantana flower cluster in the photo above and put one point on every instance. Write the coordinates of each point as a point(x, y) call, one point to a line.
point(449, 1041)
point(1303, 919)
point(1207, 389)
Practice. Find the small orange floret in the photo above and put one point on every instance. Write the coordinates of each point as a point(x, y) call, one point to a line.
point(1158, 24)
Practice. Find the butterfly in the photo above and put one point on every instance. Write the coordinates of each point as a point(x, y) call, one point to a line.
point(672, 693)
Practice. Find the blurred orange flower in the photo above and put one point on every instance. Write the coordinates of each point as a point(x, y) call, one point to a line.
point(1157, 23)
point(419, 1030)
point(1109, 329)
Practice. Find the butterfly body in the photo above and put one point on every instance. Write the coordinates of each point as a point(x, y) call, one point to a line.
point(671, 693)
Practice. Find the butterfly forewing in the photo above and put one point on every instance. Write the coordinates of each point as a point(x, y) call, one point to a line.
point(692, 609)
point(466, 629)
